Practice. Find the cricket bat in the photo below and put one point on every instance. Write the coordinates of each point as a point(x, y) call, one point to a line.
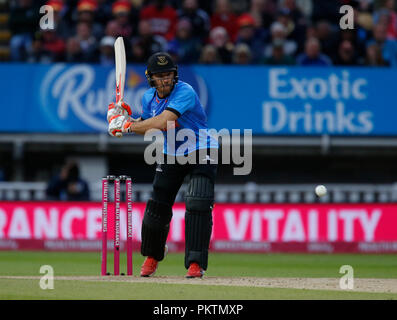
point(120, 61)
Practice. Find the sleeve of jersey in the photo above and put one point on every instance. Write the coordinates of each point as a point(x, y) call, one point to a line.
point(145, 109)
point(183, 101)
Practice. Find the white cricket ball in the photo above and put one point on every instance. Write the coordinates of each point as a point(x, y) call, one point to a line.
point(321, 190)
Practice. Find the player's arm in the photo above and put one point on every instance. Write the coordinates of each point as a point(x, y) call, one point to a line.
point(182, 101)
point(157, 122)
point(135, 119)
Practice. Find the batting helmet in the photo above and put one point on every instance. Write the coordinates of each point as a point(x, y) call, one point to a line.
point(160, 62)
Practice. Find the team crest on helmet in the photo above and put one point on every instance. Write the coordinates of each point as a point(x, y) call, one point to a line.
point(162, 60)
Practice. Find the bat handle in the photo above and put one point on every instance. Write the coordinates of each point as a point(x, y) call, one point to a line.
point(118, 103)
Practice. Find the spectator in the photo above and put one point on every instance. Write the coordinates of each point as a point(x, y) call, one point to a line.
point(291, 8)
point(106, 57)
point(256, 10)
point(87, 40)
point(242, 54)
point(47, 47)
point(134, 15)
point(61, 26)
point(279, 35)
point(219, 38)
point(23, 22)
point(326, 10)
point(278, 56)
point(374, 56)
point(83, 46)
point(294, 19)
point(306, 7)
point(247, 34)
point(346, 54)
point(86, 10)
point(121, 10)
point(185, 48)
point(285, 18)
point(209, 55)
point(363, 25)
point(352, 36)
point(328, 39)
point(68, 186)
point(162, 18)
point(104, 12)
point(198, 18)
point(311, 32)
point(74, 53)
point(113, 29)
point(205, 5)
point(146, 43)
point(263, 12)
point(363, 15)
point(224, 17)
point(313, 55)
point(387, 46)
point(387, 15)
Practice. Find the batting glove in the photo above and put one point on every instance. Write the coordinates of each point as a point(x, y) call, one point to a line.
point(118, 125)
point(119, 109)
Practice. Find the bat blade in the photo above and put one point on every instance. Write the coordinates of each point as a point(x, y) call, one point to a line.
point(119, 54)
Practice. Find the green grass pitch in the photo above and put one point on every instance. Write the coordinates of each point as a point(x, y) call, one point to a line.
point(26, 263)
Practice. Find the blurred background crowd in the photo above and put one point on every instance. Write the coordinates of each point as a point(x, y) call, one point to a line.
point(271, 32)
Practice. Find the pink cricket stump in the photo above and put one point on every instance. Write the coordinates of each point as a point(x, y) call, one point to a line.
point(128, 184)
point(117, 227)
point(104, 225)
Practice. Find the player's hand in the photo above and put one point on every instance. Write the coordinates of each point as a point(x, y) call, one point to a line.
point(120, 108)
point(118, 125)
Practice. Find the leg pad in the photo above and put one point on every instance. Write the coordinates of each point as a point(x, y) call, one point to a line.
point(155, 227)
point(198, 220)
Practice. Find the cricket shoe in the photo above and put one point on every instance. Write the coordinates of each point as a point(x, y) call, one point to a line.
point(150, 265)
point(194, 271)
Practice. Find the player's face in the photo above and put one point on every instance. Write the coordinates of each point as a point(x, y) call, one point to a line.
point(163, 82)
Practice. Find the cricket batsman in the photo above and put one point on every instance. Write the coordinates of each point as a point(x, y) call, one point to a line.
point(172, 101)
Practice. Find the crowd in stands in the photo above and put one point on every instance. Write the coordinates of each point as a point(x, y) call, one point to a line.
point(271, 32)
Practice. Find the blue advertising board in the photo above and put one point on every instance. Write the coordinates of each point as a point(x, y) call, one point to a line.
point(73, 98)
